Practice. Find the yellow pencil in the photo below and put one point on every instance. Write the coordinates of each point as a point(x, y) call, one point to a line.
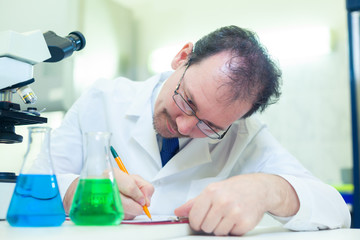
point(122, 168)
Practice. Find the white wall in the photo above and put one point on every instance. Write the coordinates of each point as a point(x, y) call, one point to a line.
point(110, 51)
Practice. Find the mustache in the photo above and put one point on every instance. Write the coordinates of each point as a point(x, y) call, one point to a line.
point(173, 124)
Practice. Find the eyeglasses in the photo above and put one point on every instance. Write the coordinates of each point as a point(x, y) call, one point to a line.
point(187, 109)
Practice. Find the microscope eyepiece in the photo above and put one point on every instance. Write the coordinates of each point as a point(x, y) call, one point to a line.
point(63, 47)
point(77, 39)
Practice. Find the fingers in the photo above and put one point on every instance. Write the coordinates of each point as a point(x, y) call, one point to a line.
point(131, 208)
point(199, 211)
point(222, 209)
point(145, 187)
point(183, 210)
point(233, 223)
point(135, 192)
point(217, 219)
point(212, 219)
point(128, 187)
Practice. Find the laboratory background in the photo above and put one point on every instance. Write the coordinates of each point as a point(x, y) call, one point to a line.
point(139, 38)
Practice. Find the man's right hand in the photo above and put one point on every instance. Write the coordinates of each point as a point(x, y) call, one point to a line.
point(135, 192)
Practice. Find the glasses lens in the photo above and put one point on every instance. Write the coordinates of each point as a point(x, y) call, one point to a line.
point(182, 104)
point(208, 131)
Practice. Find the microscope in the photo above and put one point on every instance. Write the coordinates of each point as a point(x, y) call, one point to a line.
point(19, 52)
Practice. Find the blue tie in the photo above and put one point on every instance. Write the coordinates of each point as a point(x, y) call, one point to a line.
point(170, 146)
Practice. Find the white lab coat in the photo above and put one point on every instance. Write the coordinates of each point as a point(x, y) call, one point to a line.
point(123, 107)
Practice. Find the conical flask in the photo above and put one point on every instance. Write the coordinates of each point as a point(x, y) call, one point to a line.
point(36, 200)
point(97, 199)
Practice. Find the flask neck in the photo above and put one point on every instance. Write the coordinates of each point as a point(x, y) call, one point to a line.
point(97, 156)
point(37, 159)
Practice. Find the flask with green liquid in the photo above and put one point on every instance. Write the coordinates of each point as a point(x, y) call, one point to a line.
point(97, 199)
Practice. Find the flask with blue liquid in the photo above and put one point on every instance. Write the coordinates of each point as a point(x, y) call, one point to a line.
point(36, 200)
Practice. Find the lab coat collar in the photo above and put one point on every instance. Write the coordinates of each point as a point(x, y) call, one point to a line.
point(145, 135)
point(141, 112)
point(197, 152)
point(197, 148)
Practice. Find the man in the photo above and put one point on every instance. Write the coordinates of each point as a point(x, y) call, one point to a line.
point(229, 171)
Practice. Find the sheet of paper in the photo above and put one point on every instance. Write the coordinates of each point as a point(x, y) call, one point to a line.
point(156, 219)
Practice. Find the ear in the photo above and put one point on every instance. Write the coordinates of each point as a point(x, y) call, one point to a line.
point(182, 57)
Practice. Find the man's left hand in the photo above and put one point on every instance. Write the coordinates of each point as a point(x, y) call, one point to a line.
point(236, 205)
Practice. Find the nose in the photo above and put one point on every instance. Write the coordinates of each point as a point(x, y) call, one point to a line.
point(186, 124)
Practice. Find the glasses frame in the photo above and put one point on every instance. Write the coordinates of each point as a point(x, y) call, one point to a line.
point(214, 134)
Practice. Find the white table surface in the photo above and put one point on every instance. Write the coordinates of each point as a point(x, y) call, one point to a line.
point(279, 233)
point(69, 231)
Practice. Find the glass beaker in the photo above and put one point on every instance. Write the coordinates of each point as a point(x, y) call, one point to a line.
point(36, 200)
point(97, 199)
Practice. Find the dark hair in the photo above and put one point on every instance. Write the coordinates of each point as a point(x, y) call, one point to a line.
point(252, 72)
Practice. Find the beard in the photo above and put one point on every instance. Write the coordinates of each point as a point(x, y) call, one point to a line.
point(159, 122)
point(160, 126)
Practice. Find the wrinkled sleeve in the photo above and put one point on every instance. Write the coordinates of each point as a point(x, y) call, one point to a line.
point(321, 206)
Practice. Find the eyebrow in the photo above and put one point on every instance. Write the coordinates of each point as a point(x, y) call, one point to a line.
point(193, 100)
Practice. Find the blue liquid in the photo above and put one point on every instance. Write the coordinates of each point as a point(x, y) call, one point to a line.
point(36, 202)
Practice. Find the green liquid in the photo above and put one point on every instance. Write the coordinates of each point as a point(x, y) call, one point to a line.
point(96, 202)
